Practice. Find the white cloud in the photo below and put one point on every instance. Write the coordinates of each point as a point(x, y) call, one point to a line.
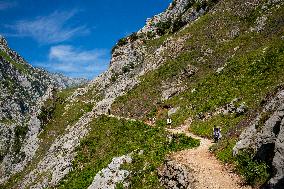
point(7, 4)
point(76, 62)
point(48, 29)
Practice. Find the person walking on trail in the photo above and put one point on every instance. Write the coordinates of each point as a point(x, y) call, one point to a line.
point(108, 111)
point(216, 133)
point(169, 121)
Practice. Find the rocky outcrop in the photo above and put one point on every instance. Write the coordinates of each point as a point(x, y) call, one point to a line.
point(131, 58)
point(109, 177)
point(173, 175)
point(58, 160)
point(23, 89)
point(178, 14)
point(129, 62)
point(266, 137)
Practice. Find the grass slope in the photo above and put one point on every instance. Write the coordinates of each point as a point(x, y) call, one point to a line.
point(253, 65)
point(110, 137)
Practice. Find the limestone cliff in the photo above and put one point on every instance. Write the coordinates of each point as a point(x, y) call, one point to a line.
point(22, 92)
point(202, 63)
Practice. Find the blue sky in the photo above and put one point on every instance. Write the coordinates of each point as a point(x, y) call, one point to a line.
point(73, 37)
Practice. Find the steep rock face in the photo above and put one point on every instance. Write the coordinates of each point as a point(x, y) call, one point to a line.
point(133, 58)
point(23, 89)
point(266, 136)
point(180, 12)
point(130, 60)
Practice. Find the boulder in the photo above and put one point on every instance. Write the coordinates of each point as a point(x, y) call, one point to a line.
point(173, 175)
point(266, 137)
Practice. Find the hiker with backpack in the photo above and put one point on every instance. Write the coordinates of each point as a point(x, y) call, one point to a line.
point(169, 121)
point(216, 133)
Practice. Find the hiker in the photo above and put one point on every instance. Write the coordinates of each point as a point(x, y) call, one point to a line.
point(216, 133)
point(108, 110)
point(154, 120)
point(169, 121)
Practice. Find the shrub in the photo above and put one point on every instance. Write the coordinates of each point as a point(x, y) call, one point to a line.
point(163, 27)
point(121, 42)
point(114, 77)
point(255, 172)
point(47, 111)
point(174, 3)
point(133, 37)
point(177, 25)
point(127, 68)
point(20, 133)
point(150, 35)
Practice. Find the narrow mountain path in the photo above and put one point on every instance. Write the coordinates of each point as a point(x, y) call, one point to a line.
point(208, 172)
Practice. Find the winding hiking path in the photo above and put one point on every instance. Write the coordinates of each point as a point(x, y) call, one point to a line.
point(208, 172)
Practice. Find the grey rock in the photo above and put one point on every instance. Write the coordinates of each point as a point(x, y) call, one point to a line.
point(108, 177)
point(174, 175)
point(235, 32)
point(173, 111)
point(168, 93)
point(260, 24)
point(219, 70)
point(267, 139)
point(23, 89)
point(177, 10)
point(241, 109)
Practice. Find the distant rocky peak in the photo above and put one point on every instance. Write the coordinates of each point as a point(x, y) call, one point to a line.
point(3, 42)
point(177, 15)
point(11, 53)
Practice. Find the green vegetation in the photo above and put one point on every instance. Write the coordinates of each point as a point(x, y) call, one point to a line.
point(256, 73)
point(58, 114)
point(255, 66)
point(133, 37)
point(170, 26)
point(253, 63)
point(163, 27)
point(127, 68)
point(114, 77)
point(226, 122)
point(110, 138)
point(47, 111)
point(19, 66)
point(255, 172)
point(204, 4)
point(177, 25)
point(7, 121)
point(20, 133)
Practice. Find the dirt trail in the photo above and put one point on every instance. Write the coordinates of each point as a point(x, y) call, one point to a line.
point(208, 172)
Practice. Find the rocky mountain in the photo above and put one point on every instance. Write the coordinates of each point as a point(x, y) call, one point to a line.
point(23, 90)
point(202, 63)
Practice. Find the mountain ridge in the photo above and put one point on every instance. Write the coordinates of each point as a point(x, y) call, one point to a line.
point(23, 90)
point(202, 63)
